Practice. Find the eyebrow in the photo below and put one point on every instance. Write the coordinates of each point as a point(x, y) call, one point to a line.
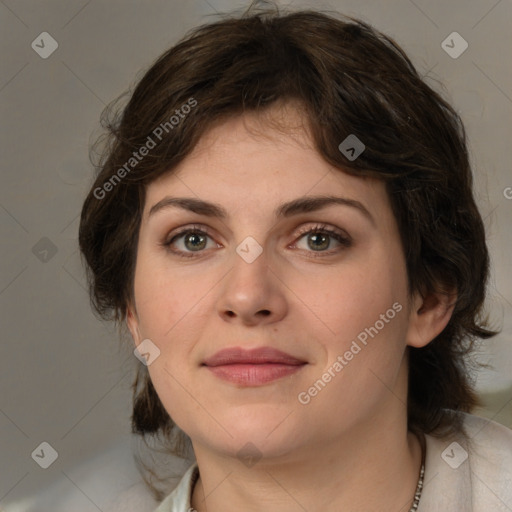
point(300, 205)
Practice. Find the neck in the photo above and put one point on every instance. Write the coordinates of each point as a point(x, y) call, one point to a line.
point(368, 469)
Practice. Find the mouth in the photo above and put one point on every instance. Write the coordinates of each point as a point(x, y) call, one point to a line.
point(255, 367)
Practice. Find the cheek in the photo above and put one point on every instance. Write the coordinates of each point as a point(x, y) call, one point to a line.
point(166, 299)
point(173, 387)
point(345, 301)
point(360, 314)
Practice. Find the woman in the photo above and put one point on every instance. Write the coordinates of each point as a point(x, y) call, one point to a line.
point(285, 221)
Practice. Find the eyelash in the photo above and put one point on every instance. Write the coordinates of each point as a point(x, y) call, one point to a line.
point(188, 229)
point(344, 240)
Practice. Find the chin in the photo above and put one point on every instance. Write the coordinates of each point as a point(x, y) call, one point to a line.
point(255, 446)
point(267, 432)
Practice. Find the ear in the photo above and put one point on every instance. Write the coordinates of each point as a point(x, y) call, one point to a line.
point(132, 322)
point(429, 315)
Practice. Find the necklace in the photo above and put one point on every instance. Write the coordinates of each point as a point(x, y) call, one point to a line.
point(419, 487)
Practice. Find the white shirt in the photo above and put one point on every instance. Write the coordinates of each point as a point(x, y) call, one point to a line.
point(460, 475)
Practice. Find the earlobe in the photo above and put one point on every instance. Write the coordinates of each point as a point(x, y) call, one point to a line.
point(133, 324)
point(428, 317)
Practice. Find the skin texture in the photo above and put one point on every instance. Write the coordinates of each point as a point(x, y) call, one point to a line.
point(346, 449)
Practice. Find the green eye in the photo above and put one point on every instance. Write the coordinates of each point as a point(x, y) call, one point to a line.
point(318, 241)
point(190, 241)
point(194, 241)
point(321, 239)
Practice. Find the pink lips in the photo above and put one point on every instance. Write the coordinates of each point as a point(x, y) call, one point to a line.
point(252, 367)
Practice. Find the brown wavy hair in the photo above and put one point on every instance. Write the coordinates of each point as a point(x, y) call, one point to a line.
point(349, 79)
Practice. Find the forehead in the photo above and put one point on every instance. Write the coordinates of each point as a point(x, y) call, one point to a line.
point(258, 161)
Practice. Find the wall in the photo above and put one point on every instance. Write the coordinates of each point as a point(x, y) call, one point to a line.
point(63, 377)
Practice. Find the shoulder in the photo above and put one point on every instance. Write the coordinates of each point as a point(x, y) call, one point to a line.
point(471, 471)
point(490, 441)
point(179, 499)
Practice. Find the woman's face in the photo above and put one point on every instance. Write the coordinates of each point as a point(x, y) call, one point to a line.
point(270, 247)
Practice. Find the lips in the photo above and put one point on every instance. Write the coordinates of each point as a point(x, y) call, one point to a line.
point(254, 367)
point(264, 355)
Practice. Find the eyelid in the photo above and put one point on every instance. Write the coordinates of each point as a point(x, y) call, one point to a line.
point(320, 226)
point(341, 236)
point(199, 228)
point(183, 230)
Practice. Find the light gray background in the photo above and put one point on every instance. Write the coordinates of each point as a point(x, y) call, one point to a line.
point(63, 378)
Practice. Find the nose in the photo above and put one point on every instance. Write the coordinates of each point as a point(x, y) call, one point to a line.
point(252, 294)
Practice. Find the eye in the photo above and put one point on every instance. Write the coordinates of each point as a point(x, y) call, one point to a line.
point(188, 241)
point(192, 240)
point(321, 239)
